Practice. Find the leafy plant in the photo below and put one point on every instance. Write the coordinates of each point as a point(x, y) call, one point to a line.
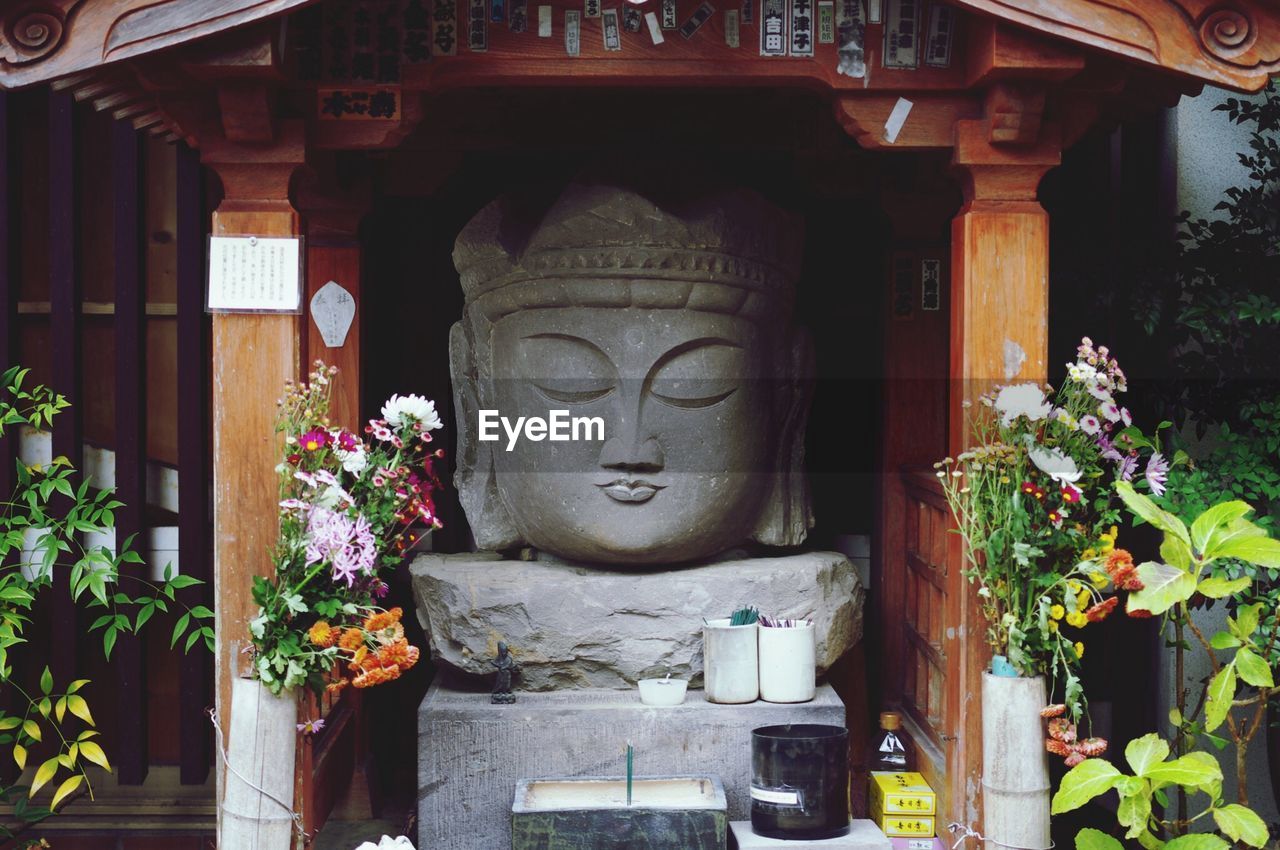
point(45, 516)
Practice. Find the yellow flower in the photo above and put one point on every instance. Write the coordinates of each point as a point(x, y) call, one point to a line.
point(1109, 539)
point(1053, 625)
point(1075, 587)
point(1057, 612)
point(1083, 600)
point(1077, 619)
point(1088, 555)
point(1099, 579)
point(1079, 648)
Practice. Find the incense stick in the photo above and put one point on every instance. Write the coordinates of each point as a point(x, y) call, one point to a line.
point(630, 764)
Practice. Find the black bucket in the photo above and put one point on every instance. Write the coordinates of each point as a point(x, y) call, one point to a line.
point(800, 781)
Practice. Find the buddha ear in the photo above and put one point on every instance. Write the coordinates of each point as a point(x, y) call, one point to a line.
point(490, 522)
point(787, 515)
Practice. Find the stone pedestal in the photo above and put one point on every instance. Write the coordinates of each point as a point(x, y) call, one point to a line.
point(472, 753)
point(863, 835)
point(572, 627)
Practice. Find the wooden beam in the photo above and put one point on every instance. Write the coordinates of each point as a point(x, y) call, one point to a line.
point(131, 435)
point(194, 539)
point(8, 298)
point(64, 297)
point(996, 51)
point(999, 334)
point(253, 356)
point(930, 124)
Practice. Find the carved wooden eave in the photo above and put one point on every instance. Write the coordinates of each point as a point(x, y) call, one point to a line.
point(1234, 44)
point(42, 40)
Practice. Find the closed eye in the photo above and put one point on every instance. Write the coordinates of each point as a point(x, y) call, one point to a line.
point(694, 403)
point(574, 397)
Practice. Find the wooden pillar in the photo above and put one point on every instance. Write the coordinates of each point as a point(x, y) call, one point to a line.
point(999, 335)
point(253, 355)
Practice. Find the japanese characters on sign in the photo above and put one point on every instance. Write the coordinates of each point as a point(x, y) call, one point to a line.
point(902, 34)
point(826, 22)
point(931, 300)
point(748, 11)
point(519, 20)
point(732, 30)
point(368, 104)
point(572, 32)
point(444, 27)
point(477, 27)
point(254, 274)
point(609, 27)
point(590, 8)
point(669, 14)
point(851, 31)
point(773, 28)
point(801, 27)
point(942, 26)
point(333, 309)
point(416, 44)
point(697, 19)
point(632, 18)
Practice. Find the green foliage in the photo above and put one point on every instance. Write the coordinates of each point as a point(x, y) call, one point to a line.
point(47, 515)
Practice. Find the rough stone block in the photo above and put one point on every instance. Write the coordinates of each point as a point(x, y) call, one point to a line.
point(863, 835)
point(471, 753)
point(577, 627)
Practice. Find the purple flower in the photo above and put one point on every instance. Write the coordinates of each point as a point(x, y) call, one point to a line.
point(348, 545)
point(1157, 473)
point(1128, 466)
point(1108, 449)
point(311, 727)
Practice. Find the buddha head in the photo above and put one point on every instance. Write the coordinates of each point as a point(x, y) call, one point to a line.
point(669, 323)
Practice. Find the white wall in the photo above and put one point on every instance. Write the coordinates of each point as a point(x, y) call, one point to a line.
point(1203, 145)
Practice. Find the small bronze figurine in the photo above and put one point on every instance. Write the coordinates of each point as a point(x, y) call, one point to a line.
point(507, 667)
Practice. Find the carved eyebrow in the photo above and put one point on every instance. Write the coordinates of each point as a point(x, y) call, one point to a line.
point(571, 338)
point(685, 348)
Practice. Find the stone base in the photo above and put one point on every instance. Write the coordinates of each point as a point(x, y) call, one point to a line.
point(572, 627)
point(863, 835)
point(471, 753)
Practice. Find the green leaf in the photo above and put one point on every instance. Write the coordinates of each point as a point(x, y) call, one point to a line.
point(80, 708)
point(1262, 551)
point(1149, 841)
point(20, 756)
point(178, 628)
point(1246, 621)
point(1220, 588)
point(67, 787)
point(1175, 552)
point(1135, 810)
point(32, 729)
point(1241, 824)
point(1253, 670)
point(1197, 841)
point(1222, 690)
point(76, 685)
point(1208, 522)
point(1164, 587)
point(94, 753)
point(1194, 770)
point(1094, 839)
point(1151, 512)
point(1083, 782)
point(8, 723)
point(1222, 640)
point(1142, 753)
point(44, 773)
point(46, 682)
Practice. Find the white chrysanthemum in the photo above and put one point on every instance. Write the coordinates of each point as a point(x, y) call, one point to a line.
point(388, 843)
point(353, 462)
point(1053, 463)
point(400, 410)
point(1022, 400)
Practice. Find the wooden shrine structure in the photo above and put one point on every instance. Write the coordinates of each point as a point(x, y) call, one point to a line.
point(267, 90)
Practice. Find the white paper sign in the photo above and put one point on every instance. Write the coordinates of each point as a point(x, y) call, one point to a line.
point(253, 273)
point(333, 309)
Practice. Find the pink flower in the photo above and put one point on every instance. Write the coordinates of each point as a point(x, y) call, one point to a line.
point(1128, 466)
point(311, 727)
point(1157, 473)
point(1110, 411)
point(1100, 392)
point(314, 440)
point(1090, 424)
point(1125, 417)
point(347, 441)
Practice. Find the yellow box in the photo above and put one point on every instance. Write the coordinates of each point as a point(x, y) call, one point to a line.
point(902, 794)
point(904, 826)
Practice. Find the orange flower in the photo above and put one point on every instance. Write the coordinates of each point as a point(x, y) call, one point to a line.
point(1092, 747)
point(1057, 747)
point(1099, 612)
point(376, 676)
point(1056, 710)
point(322, 634)
point(391, 634)
point(351, 640)
point(357, 660)
point(1062, 729)
point(1124, 574)
point(337, 687)
point(393, 653)
point(383, 620)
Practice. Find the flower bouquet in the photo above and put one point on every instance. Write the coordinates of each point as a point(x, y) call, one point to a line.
point(1035, 503)
point(349, 506)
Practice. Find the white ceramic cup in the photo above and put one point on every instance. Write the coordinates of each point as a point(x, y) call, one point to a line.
point(730, 662)
point(788, 663)
point(662, 691)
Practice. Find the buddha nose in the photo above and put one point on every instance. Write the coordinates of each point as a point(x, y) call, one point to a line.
point(630, 451)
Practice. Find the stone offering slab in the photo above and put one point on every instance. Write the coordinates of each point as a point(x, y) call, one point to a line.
point(471, 753)
point(572, 626)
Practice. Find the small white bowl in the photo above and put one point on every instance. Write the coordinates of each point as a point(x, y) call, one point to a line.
point(662, 691)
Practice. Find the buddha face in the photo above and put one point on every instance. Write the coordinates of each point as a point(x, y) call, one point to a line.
point(688, 454)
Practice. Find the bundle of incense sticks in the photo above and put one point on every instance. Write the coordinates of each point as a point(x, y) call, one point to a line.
point(774, 623)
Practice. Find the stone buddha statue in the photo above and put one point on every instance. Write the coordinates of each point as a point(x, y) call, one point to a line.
point(668, 321)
